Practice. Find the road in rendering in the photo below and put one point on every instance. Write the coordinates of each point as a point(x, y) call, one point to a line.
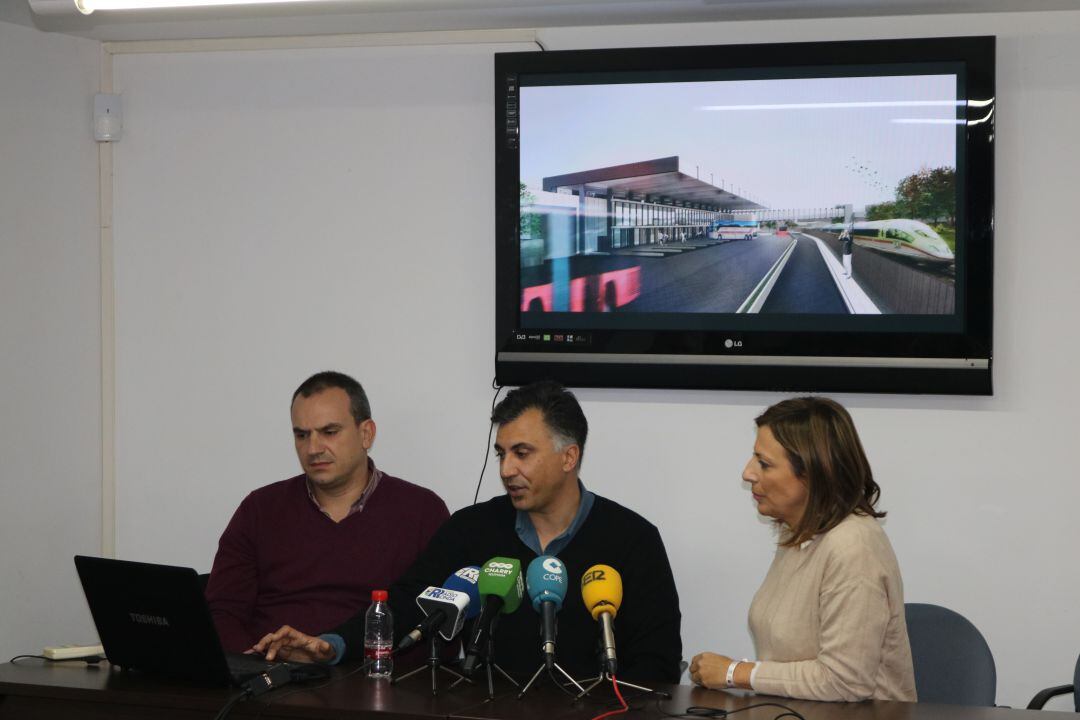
point(805, 285)
point(719, 279)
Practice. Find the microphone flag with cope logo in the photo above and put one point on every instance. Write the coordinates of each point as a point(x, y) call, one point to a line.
point(501, 577)
point(602, 590)
point(546, 581)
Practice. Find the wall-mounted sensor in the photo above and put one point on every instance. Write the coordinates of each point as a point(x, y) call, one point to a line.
point(108, 117)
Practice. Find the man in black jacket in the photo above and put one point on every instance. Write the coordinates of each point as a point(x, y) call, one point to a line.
point(546, 511)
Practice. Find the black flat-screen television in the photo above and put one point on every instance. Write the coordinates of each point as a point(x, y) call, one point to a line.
point(800, 216)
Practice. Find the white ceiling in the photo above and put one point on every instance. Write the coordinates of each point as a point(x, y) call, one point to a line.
point(370, 16)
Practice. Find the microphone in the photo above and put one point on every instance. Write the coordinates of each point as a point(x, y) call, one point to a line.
point(465, 580)
point(446, 608)
point(601, 589)
point(501, 589)
point(546, 583)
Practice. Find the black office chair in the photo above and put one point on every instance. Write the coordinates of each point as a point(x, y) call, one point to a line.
point(1042, 696)
point(953, 663)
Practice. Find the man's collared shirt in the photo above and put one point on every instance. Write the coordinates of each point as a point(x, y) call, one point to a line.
point(527, 532)
point(374, 475)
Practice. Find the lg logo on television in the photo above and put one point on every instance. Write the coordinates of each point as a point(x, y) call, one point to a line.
point(729, 343)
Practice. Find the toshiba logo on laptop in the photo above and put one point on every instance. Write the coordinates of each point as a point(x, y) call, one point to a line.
point(144, 619)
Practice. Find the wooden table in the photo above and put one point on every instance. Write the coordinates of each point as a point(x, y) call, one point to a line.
point(33, 690)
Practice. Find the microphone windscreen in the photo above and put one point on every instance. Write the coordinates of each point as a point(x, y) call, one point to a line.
point(445, 610)
point(464, 581)
point(601, 589)
point(546, 581)
point(501, 577)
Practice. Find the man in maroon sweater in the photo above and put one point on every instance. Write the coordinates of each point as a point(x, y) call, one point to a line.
point(313, 547)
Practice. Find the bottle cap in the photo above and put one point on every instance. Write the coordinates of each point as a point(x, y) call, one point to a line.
point(379, 595)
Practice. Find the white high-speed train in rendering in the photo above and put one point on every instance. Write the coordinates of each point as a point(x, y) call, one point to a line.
point(899, 236)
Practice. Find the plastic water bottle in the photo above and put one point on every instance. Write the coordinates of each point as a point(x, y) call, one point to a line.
point(379, 636)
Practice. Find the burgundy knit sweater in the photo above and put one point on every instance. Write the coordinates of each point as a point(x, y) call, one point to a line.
point(282, 561)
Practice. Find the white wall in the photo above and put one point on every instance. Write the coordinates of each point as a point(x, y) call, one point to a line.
point(50, 422)
point(282, 212)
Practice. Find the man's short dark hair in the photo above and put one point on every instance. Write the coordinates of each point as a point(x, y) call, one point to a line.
point(358, 402)
point(558, 406)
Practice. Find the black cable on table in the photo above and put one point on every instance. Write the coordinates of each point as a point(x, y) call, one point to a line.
point(697, 711)
point(89, 660)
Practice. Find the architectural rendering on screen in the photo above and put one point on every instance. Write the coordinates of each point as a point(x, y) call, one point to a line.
point(828, 196)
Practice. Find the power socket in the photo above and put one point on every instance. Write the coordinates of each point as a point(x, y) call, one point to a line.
point(73, 652)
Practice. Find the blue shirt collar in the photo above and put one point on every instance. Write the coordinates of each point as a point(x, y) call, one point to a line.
point(527, 533)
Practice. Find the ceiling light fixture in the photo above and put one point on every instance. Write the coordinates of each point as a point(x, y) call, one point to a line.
point(88, 6)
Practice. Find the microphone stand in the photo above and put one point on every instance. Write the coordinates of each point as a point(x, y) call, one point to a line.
point(555, 665)
point(489, 663)
point(607, 676)
point(607, 664)
point(435, 663)
point(548, 648)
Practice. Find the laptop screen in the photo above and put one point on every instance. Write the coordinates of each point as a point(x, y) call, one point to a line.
point(153, 617)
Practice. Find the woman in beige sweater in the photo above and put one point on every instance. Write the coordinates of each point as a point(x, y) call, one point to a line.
point(828, 621)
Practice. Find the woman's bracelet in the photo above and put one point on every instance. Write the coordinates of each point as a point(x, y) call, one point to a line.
point(729, 681)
